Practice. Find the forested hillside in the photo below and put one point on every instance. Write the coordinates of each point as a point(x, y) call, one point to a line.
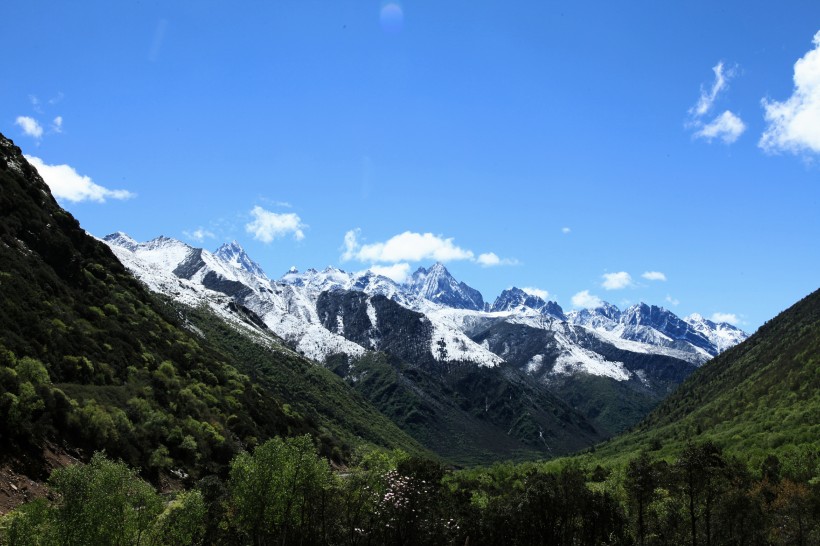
point(90, 359)
point(760, 397)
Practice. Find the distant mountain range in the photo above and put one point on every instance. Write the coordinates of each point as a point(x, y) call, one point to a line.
point(456, 313)
point(611, 365)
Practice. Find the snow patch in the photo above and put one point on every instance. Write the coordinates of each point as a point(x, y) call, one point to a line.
point(535, 364)
point(371, 315)
point(581, 360)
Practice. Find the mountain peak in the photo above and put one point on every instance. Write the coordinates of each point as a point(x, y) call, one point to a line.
point(437, 268)
point(234, 255)
point(438, 285)
point(516, 298)
point(232, 246)
point(164, 241)
point(122, 239)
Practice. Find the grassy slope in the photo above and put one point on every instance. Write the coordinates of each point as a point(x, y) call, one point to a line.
point(759, 397)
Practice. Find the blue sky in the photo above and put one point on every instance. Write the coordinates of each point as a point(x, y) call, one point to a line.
point(569, 147)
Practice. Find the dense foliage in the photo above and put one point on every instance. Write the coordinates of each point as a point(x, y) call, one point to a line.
point(284, 492)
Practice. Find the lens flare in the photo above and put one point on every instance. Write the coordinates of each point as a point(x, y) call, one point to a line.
point(391, 17)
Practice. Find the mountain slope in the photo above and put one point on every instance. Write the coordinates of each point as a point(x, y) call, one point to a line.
point(469, 415)
point(90, 359)
point(611, 386)
point(760, 396)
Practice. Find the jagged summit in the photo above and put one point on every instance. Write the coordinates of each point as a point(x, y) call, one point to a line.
point(605, 316)
point(721, 334)
point(439, 286)
point(122, 239)
point(656, 325)
point(235, 255)
point(514, 299)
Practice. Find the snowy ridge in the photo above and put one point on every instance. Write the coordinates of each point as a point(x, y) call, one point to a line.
point(456, 312)
point(722, 334)
point(694, 339)
point(516, 299)
point(163, 263)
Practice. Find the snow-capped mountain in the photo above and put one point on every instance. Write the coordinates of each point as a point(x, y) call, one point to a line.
point(234, 254)
point(515, 299)
point(599, 317)
point(721, 335)
point(659, 327)
point(438, 286)
point(430, 318)
point(289, 306)
point(196, 277)
point(616, 364)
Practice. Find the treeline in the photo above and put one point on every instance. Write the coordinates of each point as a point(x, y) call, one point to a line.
point(286, 493)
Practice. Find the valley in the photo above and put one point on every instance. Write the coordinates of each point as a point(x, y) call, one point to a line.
point(212, 404)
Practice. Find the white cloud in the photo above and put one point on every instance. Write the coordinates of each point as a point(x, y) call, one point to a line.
point(727, 127)
point(794, 124)
point(398, 272)
point(543, 294)
point(672, 301)
point(654, 276)
point(66, 183)
point(708, 97)
point(616, 281)
point(29, 126)
point(57, 124)
point(351, 244)
point(731, 318)
point(407, 246)
point(565, 230)
point(199, 234)
point(586, 300)
point(414, 247)
point(267, 226)
point(491, 259)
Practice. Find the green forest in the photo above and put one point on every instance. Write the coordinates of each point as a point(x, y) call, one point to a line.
point(284, 492)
